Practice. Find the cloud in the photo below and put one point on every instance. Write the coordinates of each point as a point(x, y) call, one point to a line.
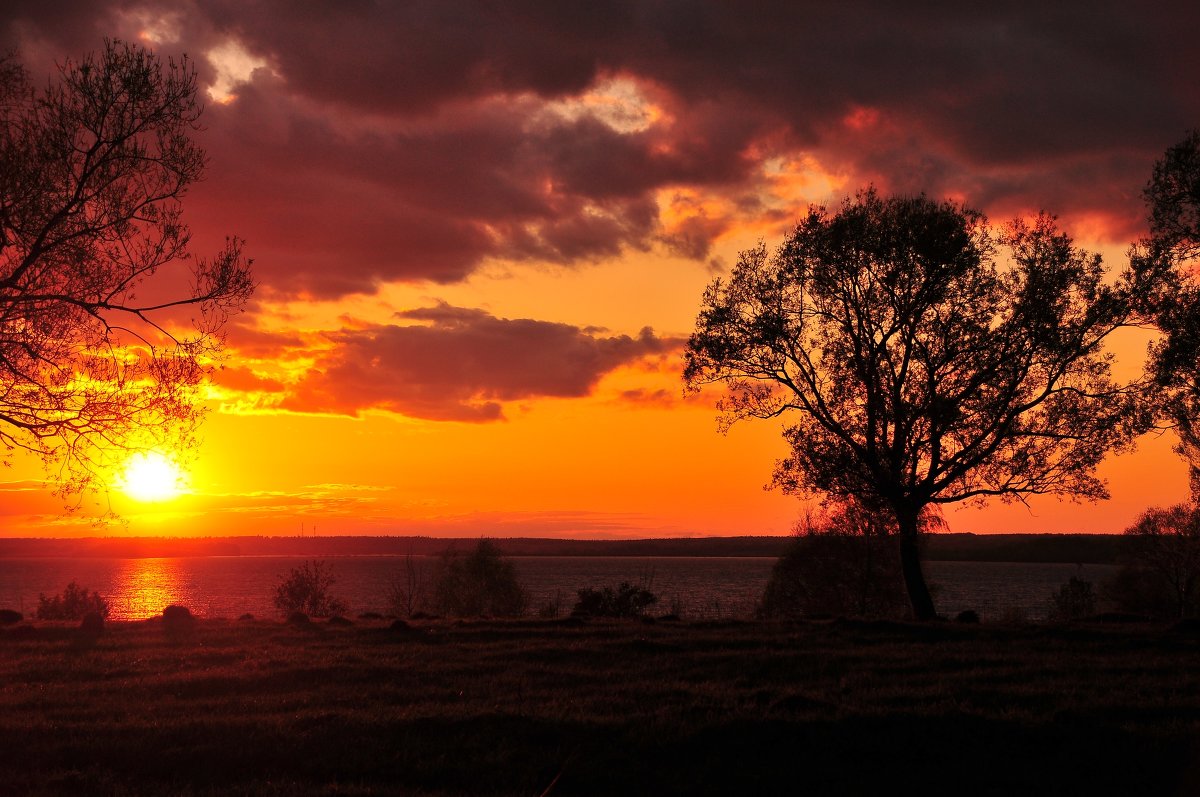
point(384, 142)
point(456, 364)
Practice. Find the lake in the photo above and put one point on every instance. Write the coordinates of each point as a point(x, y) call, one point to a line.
point(696, 587)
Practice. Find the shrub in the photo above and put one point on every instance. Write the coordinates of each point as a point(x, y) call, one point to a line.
point(71, 604)
point(1139, 591)
point(843, 563)
point(626, 600)
point(176, 617)
point(306, 590)
point(408, 592)
point(1074, 600)
point(10, 617)
point(299, 619)
point(552, 608)
point(482, 583)
point(1160, 573)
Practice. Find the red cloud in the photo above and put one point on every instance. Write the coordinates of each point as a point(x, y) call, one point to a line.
point(461, 364)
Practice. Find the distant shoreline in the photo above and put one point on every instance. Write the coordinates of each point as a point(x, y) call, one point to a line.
point(1049, 548)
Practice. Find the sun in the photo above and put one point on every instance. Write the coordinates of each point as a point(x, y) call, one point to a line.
point(152, 477)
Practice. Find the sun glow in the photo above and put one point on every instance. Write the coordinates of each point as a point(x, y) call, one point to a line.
point(234, 67)
point(152, 477)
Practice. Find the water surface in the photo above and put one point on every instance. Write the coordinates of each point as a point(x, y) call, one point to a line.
point(695, 587)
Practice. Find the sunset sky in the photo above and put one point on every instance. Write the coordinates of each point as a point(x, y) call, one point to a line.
point(481, 231)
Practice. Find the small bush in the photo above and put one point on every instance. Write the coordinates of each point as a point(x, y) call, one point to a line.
point(299, 619)
point(552, 608)
point(71, 604)
point(845, 563)
point(1140, 591)
point(1074, 600)
point(176, 616)
point(482, 583)
point(968, 616)
point(10, 617)
point(1160, 573)
point(626, 600)
point(306, 590)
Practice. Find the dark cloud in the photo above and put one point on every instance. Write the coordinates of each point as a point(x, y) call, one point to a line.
point(415, 56)
point(461, 364)
point(411, 141)
point(336, 207)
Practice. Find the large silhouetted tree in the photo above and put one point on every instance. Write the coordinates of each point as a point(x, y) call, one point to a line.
point(95, 356)
point(1173, 198)
point(924, 359)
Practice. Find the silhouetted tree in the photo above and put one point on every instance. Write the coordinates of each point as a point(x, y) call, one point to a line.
point(1160, 575)
point(406, 593)
point(307, 589)
point(73, 603)
point(93, 356)
point(925, 359)
point(1074, 600)
point(481, 583)
point(842, 562)
point(1173, 199)
point(1173, 196)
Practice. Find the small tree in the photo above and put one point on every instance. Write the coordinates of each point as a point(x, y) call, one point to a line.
point(1161, 572)
point(841, 563)
point(307, 589)
point(1074, 600)
point(925, 359)
point(407, 592)
point(73, 603)
point(95, 355)
point(482, 583)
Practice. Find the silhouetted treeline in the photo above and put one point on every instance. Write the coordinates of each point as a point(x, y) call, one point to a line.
point(1068, 548)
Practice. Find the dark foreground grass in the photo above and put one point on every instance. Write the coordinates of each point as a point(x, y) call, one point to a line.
point(599, 709)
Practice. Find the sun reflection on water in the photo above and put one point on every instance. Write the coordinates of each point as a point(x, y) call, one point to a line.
point(144, 587)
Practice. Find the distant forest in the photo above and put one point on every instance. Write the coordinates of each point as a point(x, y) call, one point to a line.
point(1068, 548)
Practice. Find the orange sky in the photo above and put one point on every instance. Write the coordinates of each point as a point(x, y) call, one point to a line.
point(480, 247)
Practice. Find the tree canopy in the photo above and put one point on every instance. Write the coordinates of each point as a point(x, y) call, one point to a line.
point(1173, 196)
point(1173, 200)
point(97, 357)
point(924, 358)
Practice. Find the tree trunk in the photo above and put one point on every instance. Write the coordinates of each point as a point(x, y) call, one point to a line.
point(910, 565)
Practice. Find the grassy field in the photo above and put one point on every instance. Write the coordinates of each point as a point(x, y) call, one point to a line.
point(602, 708)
